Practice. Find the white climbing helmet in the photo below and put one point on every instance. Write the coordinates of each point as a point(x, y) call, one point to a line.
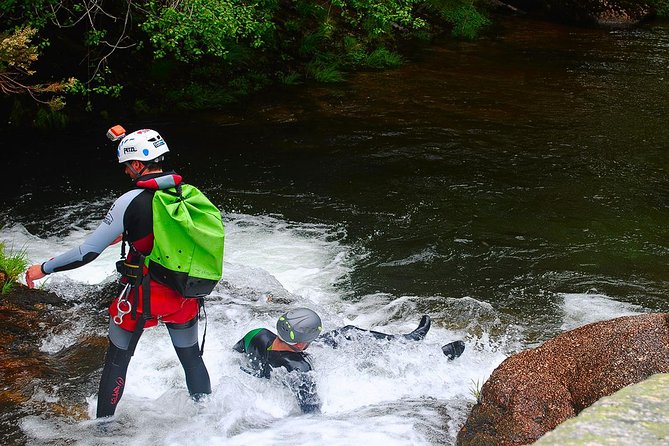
point(142, 145)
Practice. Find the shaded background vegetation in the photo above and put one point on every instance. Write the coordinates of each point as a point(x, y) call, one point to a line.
point(153, 55)
point(67, 58)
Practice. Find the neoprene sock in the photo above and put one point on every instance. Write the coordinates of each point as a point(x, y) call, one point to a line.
point(197, 377)
point(112, 381)
point(453, 349)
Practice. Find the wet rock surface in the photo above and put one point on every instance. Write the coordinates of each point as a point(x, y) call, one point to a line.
point(29, 377)
point(533, 391)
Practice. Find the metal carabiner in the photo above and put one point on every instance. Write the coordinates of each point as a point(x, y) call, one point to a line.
point(123, 306)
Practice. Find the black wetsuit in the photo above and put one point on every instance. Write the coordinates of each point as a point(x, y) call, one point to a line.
point(257, 344)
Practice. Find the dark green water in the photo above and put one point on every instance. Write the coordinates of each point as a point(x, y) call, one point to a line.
point(525, 163)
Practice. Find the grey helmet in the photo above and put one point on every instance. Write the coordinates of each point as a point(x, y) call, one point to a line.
point(299, 325)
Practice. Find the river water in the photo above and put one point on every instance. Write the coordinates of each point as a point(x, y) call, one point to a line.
point(512, 188)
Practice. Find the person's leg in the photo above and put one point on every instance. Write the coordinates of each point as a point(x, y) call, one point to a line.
point(420, 331)
point(184, 339)
point(114, 371)
point(348, 332)
point(416, 335)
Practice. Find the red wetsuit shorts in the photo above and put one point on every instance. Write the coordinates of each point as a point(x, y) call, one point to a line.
point(166, 305)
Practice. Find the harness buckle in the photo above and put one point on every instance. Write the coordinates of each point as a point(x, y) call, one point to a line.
point(130, 271)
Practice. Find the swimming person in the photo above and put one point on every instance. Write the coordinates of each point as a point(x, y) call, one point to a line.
point(299, 328)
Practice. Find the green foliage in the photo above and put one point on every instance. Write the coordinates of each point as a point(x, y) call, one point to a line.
point(662, 7)
point(354, 51)
point(306, 8)
point(190, 30)
point(466, 19)
point(31, 13)
point(98, 85)
point(207, 53)
point(13, 264)
point(382, 58)
point(94, 37)
point(475, 390)
point(379, 18)
point(289, 78)
point(48, 118)
point(325, 69)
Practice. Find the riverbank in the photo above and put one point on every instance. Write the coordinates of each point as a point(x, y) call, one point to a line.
point(180, 68)
point(203, 54)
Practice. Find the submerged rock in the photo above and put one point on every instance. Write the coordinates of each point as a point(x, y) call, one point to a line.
point(635, 415)
point(533, 391)
point(24, 316)
point(26, 373)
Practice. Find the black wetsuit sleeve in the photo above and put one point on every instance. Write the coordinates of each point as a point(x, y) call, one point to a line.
point(108, 230)
point(299, 378)
point(255, 344)
point(239, 346)
point(303, 387)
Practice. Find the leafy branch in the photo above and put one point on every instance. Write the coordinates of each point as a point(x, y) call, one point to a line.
point(16, 58)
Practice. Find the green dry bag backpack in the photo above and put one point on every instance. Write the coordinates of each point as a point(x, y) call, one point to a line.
point(188, 240)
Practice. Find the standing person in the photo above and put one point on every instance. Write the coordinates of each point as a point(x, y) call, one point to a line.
point(130, 219)
point(299, 328)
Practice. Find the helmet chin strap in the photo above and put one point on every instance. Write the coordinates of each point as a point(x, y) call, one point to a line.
point(138, 174)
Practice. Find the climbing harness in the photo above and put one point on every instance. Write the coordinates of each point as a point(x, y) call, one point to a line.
point(123, 305)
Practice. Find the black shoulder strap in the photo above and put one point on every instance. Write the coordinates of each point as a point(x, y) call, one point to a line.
point(204, 334)
point(144, 283)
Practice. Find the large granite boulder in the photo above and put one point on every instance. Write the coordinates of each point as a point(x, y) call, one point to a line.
point(608, 13)
point(533, 391)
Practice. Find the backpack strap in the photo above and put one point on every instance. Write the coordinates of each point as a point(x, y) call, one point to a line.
point(204, 333)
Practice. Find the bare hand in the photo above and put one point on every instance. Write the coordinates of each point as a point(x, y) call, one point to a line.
point(34, 273)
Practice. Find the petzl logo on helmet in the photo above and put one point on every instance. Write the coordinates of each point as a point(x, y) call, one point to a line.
point(129, 150)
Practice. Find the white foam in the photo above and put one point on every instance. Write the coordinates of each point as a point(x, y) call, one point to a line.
point(38, 250)
point(376, 392)
point(584, 308)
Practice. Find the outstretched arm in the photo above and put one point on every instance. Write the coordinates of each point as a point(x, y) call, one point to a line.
point(107, 233)
point(301, 382)
point(304, 387)
point(239, 346)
